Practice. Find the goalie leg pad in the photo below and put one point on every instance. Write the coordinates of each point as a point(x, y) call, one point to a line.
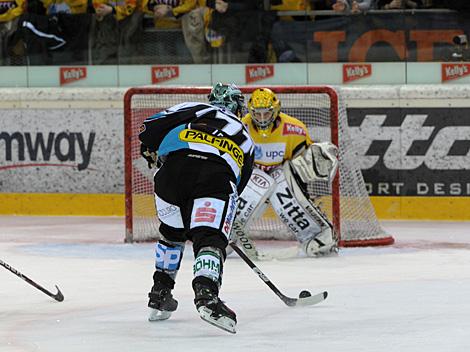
point(251, 204)
point(252, 201)
point(303, 218)
point(322, 244)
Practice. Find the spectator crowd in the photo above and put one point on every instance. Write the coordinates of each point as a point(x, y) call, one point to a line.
point(59, 32)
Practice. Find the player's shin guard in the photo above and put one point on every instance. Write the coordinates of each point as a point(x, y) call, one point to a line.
point(206, 283)
point(168, 259)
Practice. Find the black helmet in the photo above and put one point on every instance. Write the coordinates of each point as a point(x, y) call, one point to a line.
point(228, 96)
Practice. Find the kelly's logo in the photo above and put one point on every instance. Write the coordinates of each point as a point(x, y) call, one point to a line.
point(293, 129)
point(454, 71)
point(53, 149)
point(72, 74)
point(164, 73)
point(223, 144)
point(255, 73)
point(352, 72)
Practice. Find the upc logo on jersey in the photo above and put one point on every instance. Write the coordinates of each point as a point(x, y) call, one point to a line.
point(293, 129)
point(255, 73)
point(352, 72)
point(270, 153)
point(72, 74)
point(454, 71)
point(206, 213)
point(164, 73)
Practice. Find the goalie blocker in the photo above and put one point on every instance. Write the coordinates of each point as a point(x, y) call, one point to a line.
point(281, 188)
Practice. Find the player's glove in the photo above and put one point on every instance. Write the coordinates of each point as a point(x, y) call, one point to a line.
point(150, 156)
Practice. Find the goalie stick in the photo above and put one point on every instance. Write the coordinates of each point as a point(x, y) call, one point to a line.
point(58, 296)
point(305, 297)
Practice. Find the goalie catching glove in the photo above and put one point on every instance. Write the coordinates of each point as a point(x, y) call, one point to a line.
point(318, 162)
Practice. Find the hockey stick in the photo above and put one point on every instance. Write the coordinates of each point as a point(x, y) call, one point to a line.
point(58, 296)
point(305, 297)
point(241, 238)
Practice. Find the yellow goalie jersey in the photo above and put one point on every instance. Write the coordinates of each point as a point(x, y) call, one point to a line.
point(286, 137)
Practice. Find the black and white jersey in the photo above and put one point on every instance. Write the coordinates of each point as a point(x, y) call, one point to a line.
point(205, 129)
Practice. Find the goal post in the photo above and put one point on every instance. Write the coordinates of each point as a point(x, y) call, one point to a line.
point(345, 201)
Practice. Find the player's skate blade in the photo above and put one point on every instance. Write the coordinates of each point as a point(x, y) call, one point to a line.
point(157, 315)
point(222, 322)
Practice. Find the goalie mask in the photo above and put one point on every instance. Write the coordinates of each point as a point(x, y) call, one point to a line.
point(228, 96)
point(264, 107)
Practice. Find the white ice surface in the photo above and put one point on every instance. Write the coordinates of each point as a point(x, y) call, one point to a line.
point(412, 296)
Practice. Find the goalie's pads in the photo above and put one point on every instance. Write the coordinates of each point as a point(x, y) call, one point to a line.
point(252, 201)
point(318, 162)
point(251, 204)
point(302, 217)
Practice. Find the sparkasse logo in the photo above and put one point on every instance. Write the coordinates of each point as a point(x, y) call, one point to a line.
point(352, 72)
point(72, 74)
point(454, 71)
point(255, 73)
point(164, 73)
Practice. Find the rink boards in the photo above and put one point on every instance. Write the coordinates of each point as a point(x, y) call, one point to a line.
point(61, 150)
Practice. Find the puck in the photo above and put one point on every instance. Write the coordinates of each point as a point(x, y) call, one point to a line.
point(304, 294)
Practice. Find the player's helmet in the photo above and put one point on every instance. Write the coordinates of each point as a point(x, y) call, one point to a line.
point(264, 107)
point(228, 96)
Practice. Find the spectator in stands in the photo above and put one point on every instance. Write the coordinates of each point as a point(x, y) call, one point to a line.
point(55, 32)
point(352, 6)
point(10, 10)
point(194, 27)
point(187, 15)
point(287, 51)
point(239, 25)
point(399, 4)
point(116, 31)
point(458, 5)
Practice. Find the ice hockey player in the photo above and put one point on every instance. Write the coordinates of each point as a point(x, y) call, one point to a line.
point(204, 157)
point(287, 161)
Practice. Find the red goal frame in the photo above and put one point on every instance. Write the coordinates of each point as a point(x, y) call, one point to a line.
point(334, 118)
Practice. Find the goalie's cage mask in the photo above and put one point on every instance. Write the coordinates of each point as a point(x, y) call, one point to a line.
point(264, 107)
point(228, 96)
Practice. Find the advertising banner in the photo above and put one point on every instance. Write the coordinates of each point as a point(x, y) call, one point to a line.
point(413, 151)
point(61, 151)
point(378, 37)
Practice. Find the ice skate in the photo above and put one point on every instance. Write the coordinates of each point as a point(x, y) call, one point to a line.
point(161, 303)
point(212, 309)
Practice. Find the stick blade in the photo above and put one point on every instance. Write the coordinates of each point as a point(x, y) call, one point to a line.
point(311, 300)
point(59, 297)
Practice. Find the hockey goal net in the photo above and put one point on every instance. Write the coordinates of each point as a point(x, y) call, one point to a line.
point(346, 202)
